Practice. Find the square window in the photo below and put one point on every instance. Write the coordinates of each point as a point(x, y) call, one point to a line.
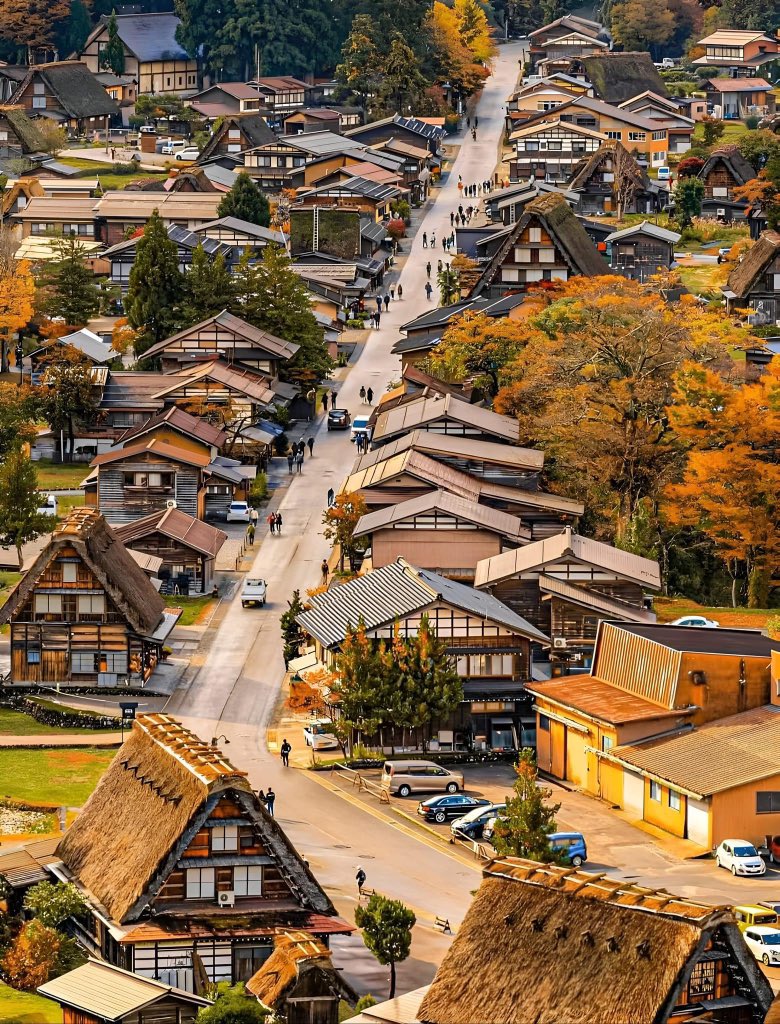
point(200, 883)
point(33, 657)
point(70, 572)
point(224, 838)
point(248, 881)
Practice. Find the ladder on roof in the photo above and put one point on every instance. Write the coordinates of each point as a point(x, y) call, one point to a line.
point(316, 238)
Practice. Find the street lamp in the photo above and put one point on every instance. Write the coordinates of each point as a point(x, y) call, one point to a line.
point(215, 740)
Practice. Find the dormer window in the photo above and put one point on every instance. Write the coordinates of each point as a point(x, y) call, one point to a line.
point(224, 839)
point(200, 884)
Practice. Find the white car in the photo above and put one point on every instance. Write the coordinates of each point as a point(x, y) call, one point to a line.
point(254, 591)
point(173, 147)
point(238, 512)
point(48, 505)
point(764, 943)
point(317, 735)
point(699, 621)
point(147, 129)
point(360, 426)
point(189, 153)
point(739, 857)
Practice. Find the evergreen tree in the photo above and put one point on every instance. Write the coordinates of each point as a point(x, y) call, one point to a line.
point(202, 22)
point(360, 62)
point(19, 501)
point(69, 396)
point(291, 631)
point(156, 286)
point(387, 931)
point(688, 194)
point(402, 81)
point(245, 201)
point(523, 830)
point(208, 287)
point(71, 292)
point(390, 17)
point(280, 304)
point(74, 31)
point(112, 57)
point(359, 682)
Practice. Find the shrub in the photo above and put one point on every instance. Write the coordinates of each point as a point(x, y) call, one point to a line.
point(396, 229)
point(281, 444)
point(54, 903)
point(401, 209)
point(33, 957)
point(258, 492)
point(752, 122)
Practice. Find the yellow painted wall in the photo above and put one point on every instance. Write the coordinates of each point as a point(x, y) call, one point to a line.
point(721, 696)
point(611, 778)
point(576, 760)
point(164, 434)
point(662, 815)
point(734, 813)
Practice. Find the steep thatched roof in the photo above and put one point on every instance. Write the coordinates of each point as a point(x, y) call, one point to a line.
point(28, 187)
point(24, 129)
point(549, 945)
point(565, 230)
point(159, 789)
point(295, 953)
point(609, 150)
point(745, 275)
point(124, 582)
point(736, 164)
point(75, 87)
point(617, 77)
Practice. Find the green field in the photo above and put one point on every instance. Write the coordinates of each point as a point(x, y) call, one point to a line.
point(65, 775)
point(105, 174)
point(27, 1008)
point(194, 609)
point(17, 723)
point(53, 476)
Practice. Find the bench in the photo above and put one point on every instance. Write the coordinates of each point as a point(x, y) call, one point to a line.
point(368, 893)
point(443, 924)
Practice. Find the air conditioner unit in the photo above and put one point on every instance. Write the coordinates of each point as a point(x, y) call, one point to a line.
point(721, 211)
point(559, 643)
point(226, 899)
point(170, 503)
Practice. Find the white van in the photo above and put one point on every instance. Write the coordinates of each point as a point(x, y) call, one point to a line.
point(48, 506)
point(360, 427)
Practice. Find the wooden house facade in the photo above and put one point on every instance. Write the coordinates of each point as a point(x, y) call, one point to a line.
point(724, 171)
point(549, 151)
point(184, 871)
point(610, 179)
point(565, 584)
point(754, 283)
point(85, 613)
point(67, 93)
point(641, 250)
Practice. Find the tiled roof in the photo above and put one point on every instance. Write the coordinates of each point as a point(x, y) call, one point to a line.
point(448, 504)
point(596, 699)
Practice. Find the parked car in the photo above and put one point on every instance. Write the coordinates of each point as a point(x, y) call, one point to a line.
point(360, 427)
point(472, 825)
point(253, 591)
point(338, 419)
point(489, 828)
point(318, 735)
point(443, 808)
point(570, 844)
point(664, 173)
point(147, 129)
point(48, 505)
point(764, 944)
point(739, 857)
point(750, 914)
point(188, 153)
point(699, 621)
point(407, 777)
point(238, 512)
point(173, 147)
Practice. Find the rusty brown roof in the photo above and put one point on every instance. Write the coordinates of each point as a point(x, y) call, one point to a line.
point(596, 699)
point(172, 522)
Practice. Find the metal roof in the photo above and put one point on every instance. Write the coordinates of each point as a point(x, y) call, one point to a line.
point(412, 415)
point(356, 186)
point(740, 84)
point(151, 37)
point(610, 607)
point(322, 143)
point(109, 993)
point(457, 447)
point(567, 545)
point(726, 36)
point(448, 504)
point(241, 226)
point(745, 643)
point(646, 228)
point(596, 699)
point(251, 336)
point(172, 522)
point(54, 208)
point(722, 755)
point(398, 589)
point(90, 345)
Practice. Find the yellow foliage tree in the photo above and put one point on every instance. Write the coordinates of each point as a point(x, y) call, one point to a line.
point(17, 294)
point(461, 57)
point(33, 956)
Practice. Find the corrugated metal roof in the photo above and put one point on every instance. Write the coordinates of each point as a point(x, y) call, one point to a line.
point(727, 36)
point(746, 643)
point(394, 591)
point(646, 228)
point(54, 208)
point(455, 446)
point(731, 752)
point(450, 505)
point(597, 699)
point(572, 545)
point(424, 410)
point(609, 606)
point(172, 522)
point(151, 37)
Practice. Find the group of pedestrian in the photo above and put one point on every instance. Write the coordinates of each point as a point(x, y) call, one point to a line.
point(268, 798)
point(366, 394)
point(296, 453)
point(274, 520)
point(361, 443)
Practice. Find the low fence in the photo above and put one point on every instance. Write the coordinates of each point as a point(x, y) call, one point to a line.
point(363, 784)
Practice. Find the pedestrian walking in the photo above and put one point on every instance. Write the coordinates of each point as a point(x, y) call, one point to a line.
point(460, 187)
point(359, 444)
point(284, 750)
point(468, 122)
point(261, 797)
point(378, 318)
point(452, 218)
point(333, 398)
point(331, 496)
point(271, 520)
point(428, 290)
point(387, 302)
point(371, 322)
point(299, 462)
point(425, 239)
point(433, 239)
point(324, 401)
point(444, 242)
point(370, 396)
point(439, 265)
point(428, 268)
point(400, 291)
point(278, 523)
point(392, 292)
point(362, 392)
point(379, 303)
point(254, 515)
point(474, 134)
point(270, 800)
point(476, 123)
point(324, 571)
point(360, 878)
point(310, 443)
point(302, 447)
point(290, 460)
point(250, 534)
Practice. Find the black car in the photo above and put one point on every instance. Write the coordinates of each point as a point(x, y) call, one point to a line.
point(445, 808)
point(339, 419)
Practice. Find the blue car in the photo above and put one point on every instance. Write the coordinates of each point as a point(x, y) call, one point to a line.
point(572, 844)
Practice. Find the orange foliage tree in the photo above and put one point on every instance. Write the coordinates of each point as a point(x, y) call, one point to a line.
point(17, 294)
point(461, 55)
point(33, 956)
point(341, 520)
point(730, 488)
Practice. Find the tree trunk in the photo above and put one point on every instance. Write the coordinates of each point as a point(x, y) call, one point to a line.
point(734, 591)
point(392, 979)
point(4, 368)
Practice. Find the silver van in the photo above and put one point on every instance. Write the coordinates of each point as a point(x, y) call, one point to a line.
point(406, 777)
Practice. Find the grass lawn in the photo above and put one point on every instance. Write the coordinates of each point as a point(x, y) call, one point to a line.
point(65, 775)
point(53, 476)
point(67, 503)
point(195, 610)
point(16, 723)
point(670, 608)
point(105, 173)
point(733, 130)
point(27, 1008)
point(704, 279)
point(8, 581)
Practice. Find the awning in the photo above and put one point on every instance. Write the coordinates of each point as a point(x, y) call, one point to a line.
point(170, 617)
point(493, 689)
point(306, 660)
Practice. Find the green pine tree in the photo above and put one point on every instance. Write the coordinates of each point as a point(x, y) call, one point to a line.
point(291, 631)
point(402, 82)
point(70, 289)
point(245, 201)
point(279, 303)
point(156, 286)
point(529, 820)
point(208, 287)
point(387, 931)
point(360, 61)
point(688, 195)
point(359, 683)
point(19, 501)
point(112, 57)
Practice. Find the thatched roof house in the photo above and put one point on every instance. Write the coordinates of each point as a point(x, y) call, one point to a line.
point(748, 275)
point(300, 968)
point(567, 945)
point(617, 77)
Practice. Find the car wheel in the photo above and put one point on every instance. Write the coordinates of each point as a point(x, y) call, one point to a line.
point(576, 861)
point(718, 863)
point(404, 790)
point(734, 870)
point(765, 960)
point(440, 816)
point(772, 858)
point(452, 787)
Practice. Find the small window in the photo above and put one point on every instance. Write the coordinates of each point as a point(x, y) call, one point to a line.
point(200, 883)
point(70, 572)
point(534, 234)
point(655, 792)
point(544, 723)
point(607, 742)
point(224, 838)
point(768, 803)
point(248, 881)
point(33, 657)
point(39, 88)
point(91, 604)
point(48, 604)
point(674, 801)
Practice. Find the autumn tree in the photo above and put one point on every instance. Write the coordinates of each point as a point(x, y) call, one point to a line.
point(17, 294)
point(474, 29)
point(689, 167)
point(340, 520)
point(156, 286)
point(475, 348)
point(32, 25)
point(525, 827)
point(69, 284)
point(420, 679)
point(730, 487)
point(449, 285)
point(712, 130)
point(33, 957)
point(462, 46)
point(20, 521)
point(19, 409)
point(637, 25)
point(358, 685)
point(387, 931)
point(123, 336)
point(68, 393)
point(53, 138)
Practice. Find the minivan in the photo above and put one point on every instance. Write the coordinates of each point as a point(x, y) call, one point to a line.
point(407, 777)
point(571, 845)
point(749, 915)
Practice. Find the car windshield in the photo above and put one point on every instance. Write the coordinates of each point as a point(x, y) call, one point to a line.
point(745, 851)
point(771, 939)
